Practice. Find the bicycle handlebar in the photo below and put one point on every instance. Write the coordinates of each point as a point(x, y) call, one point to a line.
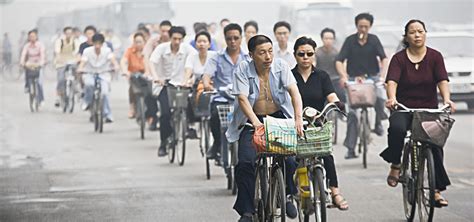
point(443, 109)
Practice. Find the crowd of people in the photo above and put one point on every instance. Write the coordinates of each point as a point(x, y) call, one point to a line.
point(268, 78)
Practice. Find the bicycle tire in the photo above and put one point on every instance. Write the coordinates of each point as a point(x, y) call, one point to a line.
point(181, 140)
point(260, 195)
point(426, 206)
point(32, 95)
point(141, 115)
point(319, 193)
point(278, 197)
point(95, 118)
point(205, 134)
point(233, 163)
point(365, 124)
point(100, 114)
point(334, 132)
point(408, 183)
point(171, 146)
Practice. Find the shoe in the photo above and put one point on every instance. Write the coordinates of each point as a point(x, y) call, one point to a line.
point(109, 120)
point(245, 218)
point(212, 152)
point(56, 103)
point(378, 130)
point(350, 155)
point(84, 107)
point(291, 211)
point(152, 123)
point(191, 134)
point(162, 151)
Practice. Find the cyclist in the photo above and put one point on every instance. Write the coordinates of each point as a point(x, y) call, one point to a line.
point(264, 86)
point(90, 31)
point(97, 59)
point(66, 49)
point(316, 89)
point(167, 64)
point(220, 38)
point(33, 55)
point(250, 30)
point(362, 51)
point(220, 68)
point(133, 61)
point(199, 27)
point(413, 76)
point(6, 50)
point(282, 31)
point(154, 41)
point(326, 60)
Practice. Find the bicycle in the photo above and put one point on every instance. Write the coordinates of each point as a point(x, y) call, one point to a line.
point(228, 150)
point(33, 73)
point(68, 98)
point(178, 100)
point(97, 108)
point(270, 187)
point(362, 95)
point(203, 111)
point(312, 197)
point(141, 88)
point(417, 174)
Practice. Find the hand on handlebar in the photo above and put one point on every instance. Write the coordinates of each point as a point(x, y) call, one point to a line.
point(451, 104)
point(391, 104)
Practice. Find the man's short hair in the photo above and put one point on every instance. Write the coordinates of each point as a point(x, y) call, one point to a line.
point(304, 41)
point(330, 30)
point(90, 27)
point(256, 41)
point(282, 24)
point(67, 28)
point(177, 29)
point(251, 23)
point(367, 16)
point(98, 38)
point(232, 26)
point(165, 23)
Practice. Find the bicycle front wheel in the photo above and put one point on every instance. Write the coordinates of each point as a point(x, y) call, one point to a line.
point(319, 192)
point(261, 189)
point(426, 186)
point(278, 197)
point(364, 136)
point(205, 137)
point(181, 128)
point(100, 113)
point(141, 115)
point(407, 179)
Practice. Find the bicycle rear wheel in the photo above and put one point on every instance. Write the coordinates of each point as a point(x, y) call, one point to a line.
point(426, 186)
point(181, 129)
point(365, 124)
point(278, 197)
point(407, 179)
point(33, 97)
point(233, 162)
point(100, 114)
point(319, 193)
point(205, 137)
point(140, 112)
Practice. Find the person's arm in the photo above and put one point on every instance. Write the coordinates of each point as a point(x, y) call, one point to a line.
point(340, 59)
point(114, 62)
point(188, 71)
point(297, 106)
point(124, 66)
point(209, 71)
point(383, 59)
point(153, 62)
point(383, 69)
point(391, 102)
point(42, 55)
point(57, 46)
point(443, 87)
point(23, 55)
point(247, 109)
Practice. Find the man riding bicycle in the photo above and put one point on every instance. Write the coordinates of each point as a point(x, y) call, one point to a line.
point(66, 49)
point(167, 64)
point(263, 86)
point(97, 59)
point(220, 68)
point(362, 51)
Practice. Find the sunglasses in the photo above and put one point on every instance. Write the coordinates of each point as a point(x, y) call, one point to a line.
point(235, 38)
point(301, 54)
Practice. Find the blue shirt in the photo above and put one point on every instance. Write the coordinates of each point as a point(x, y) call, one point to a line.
point(220, 68)
point(246, 82)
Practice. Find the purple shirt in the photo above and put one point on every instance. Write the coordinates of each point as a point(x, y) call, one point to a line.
point(417, 88)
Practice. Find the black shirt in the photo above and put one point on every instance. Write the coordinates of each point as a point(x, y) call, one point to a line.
point(361, 59)
point(85, 45)
point(315, 90)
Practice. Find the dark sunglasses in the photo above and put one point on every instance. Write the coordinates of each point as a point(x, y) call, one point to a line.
point(235, 38)
point(301, 54)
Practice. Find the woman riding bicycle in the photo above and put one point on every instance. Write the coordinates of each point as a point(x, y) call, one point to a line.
point(133, 61)
point(263, 86)
point(316, 89)
point(413, 76)
point(33, 58)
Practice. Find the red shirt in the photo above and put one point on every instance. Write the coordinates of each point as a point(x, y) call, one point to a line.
point(417, 88)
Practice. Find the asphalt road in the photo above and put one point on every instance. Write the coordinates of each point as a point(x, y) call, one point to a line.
point(53, 167)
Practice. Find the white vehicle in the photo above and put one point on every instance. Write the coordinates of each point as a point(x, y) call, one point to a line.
point(458, 52)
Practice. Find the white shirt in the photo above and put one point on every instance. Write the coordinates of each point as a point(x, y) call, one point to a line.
point(170, 66)
point(97, 63)
point(193, 62)
point(285, 55)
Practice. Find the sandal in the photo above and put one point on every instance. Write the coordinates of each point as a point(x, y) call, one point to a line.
point(440, 201)
point(393, 180)
point(342, 204)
